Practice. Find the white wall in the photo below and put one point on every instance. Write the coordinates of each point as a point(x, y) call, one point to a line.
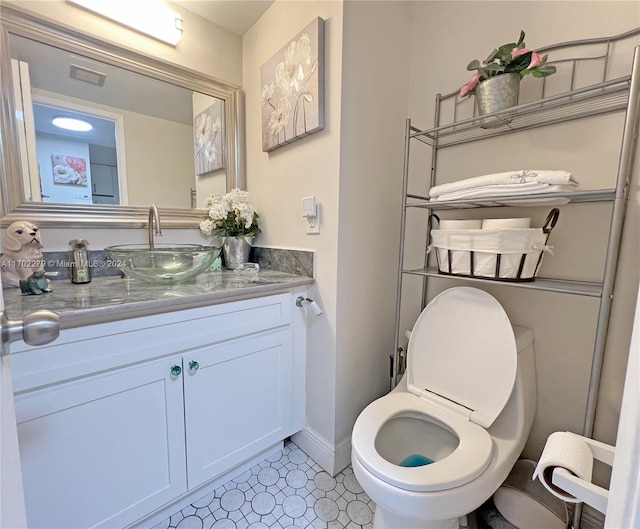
point(353, 167)
point(375, 88)
point(160, 159)
point(311, 166)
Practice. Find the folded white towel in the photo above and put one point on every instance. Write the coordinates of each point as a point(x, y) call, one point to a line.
point(531, 188)
point(509, 178)
point(535, 202)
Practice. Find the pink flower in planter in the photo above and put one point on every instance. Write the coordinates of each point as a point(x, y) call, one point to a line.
point(535, 60)
point(471, 85)
point(513, 57)
point(535, 57)
point(517, 52)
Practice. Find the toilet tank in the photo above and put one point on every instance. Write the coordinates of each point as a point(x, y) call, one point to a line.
point(516, 418)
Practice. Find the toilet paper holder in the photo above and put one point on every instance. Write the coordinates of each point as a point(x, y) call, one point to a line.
point(583, 490)
point(315, 309)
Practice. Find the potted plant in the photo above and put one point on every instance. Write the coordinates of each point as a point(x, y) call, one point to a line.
point(232, 217)
point(496, 81)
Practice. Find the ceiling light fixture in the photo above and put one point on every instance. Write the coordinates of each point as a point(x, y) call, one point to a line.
point(77, 125)
point(152, 18)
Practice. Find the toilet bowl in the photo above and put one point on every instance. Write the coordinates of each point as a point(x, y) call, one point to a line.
point(442, 442)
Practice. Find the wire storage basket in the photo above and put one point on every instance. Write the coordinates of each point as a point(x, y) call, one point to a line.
point(501, 254)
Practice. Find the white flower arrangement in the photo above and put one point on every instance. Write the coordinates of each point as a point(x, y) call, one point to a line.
point(230, 215)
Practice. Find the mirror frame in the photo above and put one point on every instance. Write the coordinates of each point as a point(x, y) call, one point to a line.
point(12, 205)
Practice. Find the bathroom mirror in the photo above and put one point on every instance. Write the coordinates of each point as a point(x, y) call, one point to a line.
point(165, 134)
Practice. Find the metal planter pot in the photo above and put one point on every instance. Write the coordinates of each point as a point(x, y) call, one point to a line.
point(496, 94)
point(236, 251)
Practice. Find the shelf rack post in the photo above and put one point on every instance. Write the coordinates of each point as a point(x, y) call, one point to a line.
point(432, 182)
point(403, 223)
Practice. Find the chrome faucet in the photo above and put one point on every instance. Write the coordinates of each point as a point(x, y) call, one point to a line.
point(153, 217)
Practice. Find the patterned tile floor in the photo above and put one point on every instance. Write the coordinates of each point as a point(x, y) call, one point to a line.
point(286, 491)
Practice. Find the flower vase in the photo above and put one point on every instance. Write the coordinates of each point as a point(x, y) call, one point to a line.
point(236, 251)
point(495, 94)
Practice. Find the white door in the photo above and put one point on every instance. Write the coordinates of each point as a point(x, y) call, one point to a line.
point(26, 131)
point(237, 402)
point(11, 495)
point(623, 509)
point(104, 182)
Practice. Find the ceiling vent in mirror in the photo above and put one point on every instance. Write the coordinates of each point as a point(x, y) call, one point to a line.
point(88, 76)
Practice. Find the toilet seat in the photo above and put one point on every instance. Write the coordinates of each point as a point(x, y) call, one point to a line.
point(465, 463)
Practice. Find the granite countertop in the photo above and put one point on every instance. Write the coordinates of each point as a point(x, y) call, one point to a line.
point(111, 299)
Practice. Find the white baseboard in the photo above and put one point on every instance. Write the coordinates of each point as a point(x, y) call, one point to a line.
point(332, 458)
point(343, 455)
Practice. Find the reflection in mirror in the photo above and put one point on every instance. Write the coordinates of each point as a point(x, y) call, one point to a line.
point(66, 178)
point(153, 145)
point(159, 133)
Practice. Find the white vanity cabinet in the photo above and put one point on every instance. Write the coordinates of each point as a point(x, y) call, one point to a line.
point(117, 420)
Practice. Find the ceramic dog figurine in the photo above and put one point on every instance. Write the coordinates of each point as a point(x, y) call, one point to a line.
point(22, 261)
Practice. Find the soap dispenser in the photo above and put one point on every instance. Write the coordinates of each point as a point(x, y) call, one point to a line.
point(80, 270)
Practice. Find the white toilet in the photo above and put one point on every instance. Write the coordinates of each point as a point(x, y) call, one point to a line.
point(442, 442)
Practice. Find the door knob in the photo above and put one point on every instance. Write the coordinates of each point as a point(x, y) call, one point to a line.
point(193, 366)
point(175, 371)
point(37, 328)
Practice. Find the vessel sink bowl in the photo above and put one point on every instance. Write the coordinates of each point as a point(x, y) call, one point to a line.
point(166, 263)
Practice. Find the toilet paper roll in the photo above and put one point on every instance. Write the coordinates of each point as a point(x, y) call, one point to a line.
point(568, 451)
point(506, 224)
point(460, 224)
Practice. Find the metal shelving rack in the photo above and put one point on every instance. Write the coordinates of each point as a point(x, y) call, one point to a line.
point(607, 96)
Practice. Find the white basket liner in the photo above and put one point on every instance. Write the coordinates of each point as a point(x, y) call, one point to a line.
point(495, 241)
point(486, 244)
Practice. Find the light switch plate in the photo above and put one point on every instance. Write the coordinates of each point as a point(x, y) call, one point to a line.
point(309, 206)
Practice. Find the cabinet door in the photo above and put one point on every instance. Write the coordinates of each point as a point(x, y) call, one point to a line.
point(237, 402)
point(105, 450)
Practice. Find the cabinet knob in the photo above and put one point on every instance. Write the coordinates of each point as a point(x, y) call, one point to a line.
point(175, 371)
point(193, 366)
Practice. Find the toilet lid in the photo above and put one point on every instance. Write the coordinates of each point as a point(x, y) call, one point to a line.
point(462, 352)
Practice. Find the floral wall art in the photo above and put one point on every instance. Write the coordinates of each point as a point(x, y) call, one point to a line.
point(208, 134)
point(293, 89)
point(69, 170)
